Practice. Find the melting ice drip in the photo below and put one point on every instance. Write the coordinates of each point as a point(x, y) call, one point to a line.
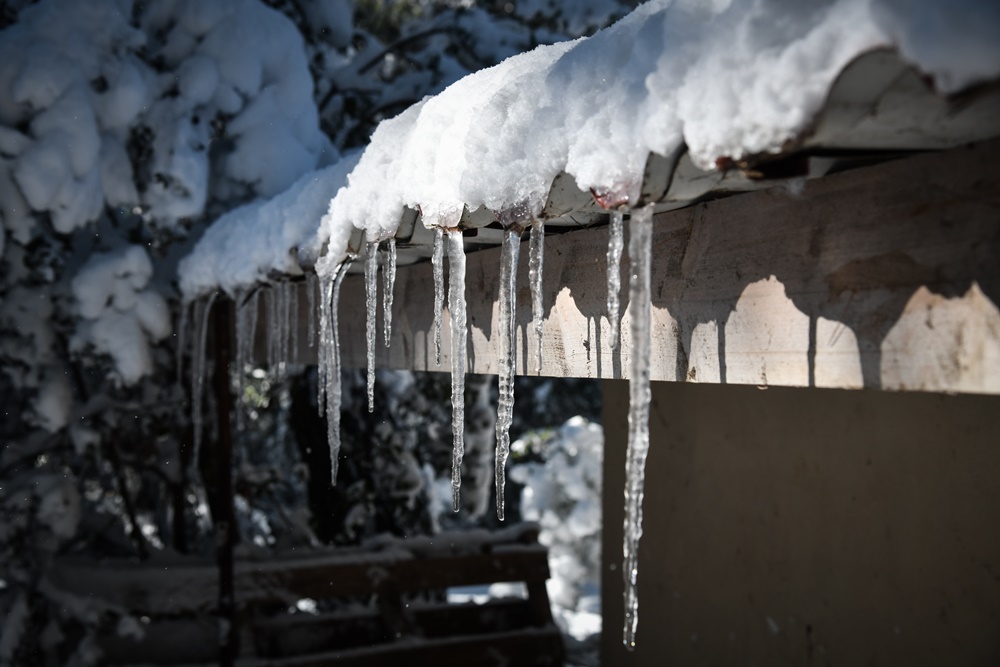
point(640, 257)
point(389, 278)
point(508, 331)
point(459, 334)
point(536, 255)
point(615, 244)
point(437, 261)
point(371, 296)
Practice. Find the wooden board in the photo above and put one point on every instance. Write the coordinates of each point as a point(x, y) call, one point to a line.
point(880, 277)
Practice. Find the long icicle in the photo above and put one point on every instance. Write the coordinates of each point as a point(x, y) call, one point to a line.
point(508, 337)
point(333, 389)
point(437, 261)
point(323, 372)
point(459, 334)
point(536, 257)
point(198, 381)
point(371, 299)
point(389, 284)
point(640, 258)
point(615, 245)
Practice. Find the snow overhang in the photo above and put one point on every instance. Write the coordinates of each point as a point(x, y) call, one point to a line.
point(879, 108)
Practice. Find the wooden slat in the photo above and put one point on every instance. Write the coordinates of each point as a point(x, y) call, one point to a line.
point(318, 579)
point(289, 635)
point(881, 277)
point(535, 647)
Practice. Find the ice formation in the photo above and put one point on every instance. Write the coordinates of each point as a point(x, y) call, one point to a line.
point(507, 355)
point(437, 260)
point(389, 278)
point(371, 299)
point(333, 380)
point(459, 336)
point(615, 245)
point(640, 259)
point(536, 256)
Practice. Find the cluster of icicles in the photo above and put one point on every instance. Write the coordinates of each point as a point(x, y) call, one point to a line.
point(282, 310)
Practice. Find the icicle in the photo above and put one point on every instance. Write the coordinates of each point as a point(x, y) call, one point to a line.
point(536, 256)
point(508, 337)
point(333, 388)
point(311, 285)
point(198, 380)
point(457, 310)
point(389, 278)
point(437, 261)
point(182, 328)
point(371, 297)
point(639, 253)
point(293, 321)
point(615, 244)
point(325, 299)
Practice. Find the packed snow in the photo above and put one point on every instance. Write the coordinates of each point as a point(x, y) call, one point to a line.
point(248, 244)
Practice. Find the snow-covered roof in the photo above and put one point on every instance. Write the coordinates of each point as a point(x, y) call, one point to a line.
point(676, 101)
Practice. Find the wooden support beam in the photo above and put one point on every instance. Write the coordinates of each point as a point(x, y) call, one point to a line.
point(880, 277)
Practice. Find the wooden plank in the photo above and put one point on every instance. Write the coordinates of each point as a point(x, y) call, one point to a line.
point(881, 277)
point(298, 634)
point(528, 648)
point(316, 578)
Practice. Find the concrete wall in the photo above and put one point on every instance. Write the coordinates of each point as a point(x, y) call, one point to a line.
point(809, 527)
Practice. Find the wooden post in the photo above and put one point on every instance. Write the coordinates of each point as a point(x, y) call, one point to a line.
point(225, 523)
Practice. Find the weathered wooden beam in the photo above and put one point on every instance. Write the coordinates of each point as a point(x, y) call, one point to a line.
point(881, 277)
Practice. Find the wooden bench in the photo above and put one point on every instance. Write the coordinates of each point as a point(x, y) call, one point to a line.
point(381, 604)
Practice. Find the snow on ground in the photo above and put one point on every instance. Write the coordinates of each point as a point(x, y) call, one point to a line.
point(727, 79)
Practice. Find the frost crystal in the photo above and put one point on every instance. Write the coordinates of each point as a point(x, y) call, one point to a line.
point(640, 257)
point(457, 310)
point(508, 332)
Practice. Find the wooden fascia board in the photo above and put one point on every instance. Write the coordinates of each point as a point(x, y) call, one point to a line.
point(880, 277)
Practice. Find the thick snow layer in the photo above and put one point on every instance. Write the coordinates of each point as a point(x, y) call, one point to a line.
point(726, 78)
point(242, 247)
